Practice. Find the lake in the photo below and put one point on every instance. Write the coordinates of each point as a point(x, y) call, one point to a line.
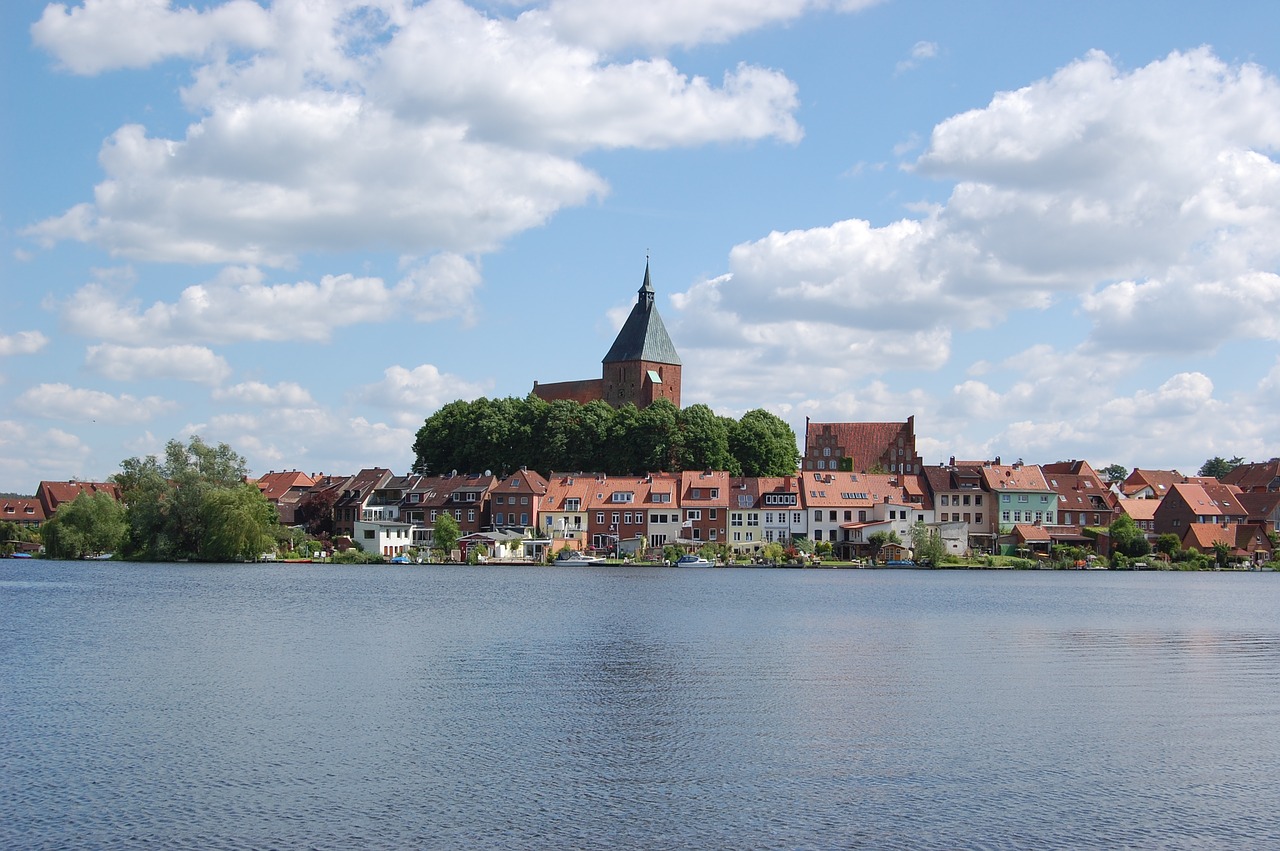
point(335, 707)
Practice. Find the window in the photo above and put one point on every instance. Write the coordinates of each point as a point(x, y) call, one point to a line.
point(1004, 497)
point(735, 518)
point(626, 518)
point(497, 519)
point(966, 499)
point(826, 452)
point(368, 534)
point(753, 519)
point(768, 517)
point(848, 515)
point(615, 518)
point(945, 499)
point(977, 518)
point(862, 516)
point(600, 517)
point(817, 534)
point(817, 515)
point(831, 516)
point(714, 513)
point(524, 500)
point(745, 501)
point(693, 514)
point(797, 518)
point(977, 499)
point(524, 519)
point(737, 536)
point(499, 498)
point(661, 497)
point(1004, 515)
point(572, 504)
point(433, 515)
point(471, 515)
point(623, 496)
point(714, 533)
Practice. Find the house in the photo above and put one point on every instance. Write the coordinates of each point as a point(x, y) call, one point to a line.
point(1262, 508)
point(564, 510)
point(380, 527)
point(958, 498)
point(469, 501)
point(704, 502)
point(778, 503)
point(23, 511)
point(516, 498)
point(52, 494)
point(1150, 484)
point(861, 447)
point(617, 511)
point(1196, 502)
point(1020, 494)
point(1083, 498)
point(285, 490)
point(1243, 540)
point(1261, 477)
point(640, 368)
point(664, 509)
point(1141, 511)
point(349, 505)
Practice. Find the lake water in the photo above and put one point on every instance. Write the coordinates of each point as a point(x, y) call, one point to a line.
point(197, 706)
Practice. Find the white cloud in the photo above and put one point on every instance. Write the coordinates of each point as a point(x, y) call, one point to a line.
point(22, 343)
point(237, 305)
point(318, 440)
point(286, 394)
point(413, 394)
point(920, 51)
point(30, 454)
point(105, 34)
point(353, 125)
point(1148, 198)
point(663, 23)
point(64, 402)
point(133, 363)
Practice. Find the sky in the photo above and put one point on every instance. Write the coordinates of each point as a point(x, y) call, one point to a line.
point(1046, 231)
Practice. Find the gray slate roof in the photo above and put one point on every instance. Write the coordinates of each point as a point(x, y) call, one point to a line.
point(643, 336)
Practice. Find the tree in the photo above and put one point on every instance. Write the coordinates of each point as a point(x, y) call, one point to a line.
point(764, 445)
point(1127, 538)
point(703, 441)
point(1113, 473)
point(238, 524)
point(1217, 467)
point(445, 535)
point(1221, 552)
point(315, 511)
point(927, 544)
point(165, 501)
point(1168, 544)
point(89, 524)
point(878, 540)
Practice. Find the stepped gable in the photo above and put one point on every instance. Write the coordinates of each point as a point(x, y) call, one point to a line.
point(892, 446)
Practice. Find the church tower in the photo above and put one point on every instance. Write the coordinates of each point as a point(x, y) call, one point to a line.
point(642, 365)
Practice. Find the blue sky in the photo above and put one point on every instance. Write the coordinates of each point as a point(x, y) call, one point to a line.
point(1047, 231)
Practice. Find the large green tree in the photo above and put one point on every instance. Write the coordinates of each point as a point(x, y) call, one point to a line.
point(1127, 538)
point(444, 535)
point(764, 445)
point(166, 499)
point(1218, 466)
point(88, 525)
point(238, 524)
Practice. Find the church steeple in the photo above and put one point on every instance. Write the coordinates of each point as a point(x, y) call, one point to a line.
point(646, 289)
point(643, 336)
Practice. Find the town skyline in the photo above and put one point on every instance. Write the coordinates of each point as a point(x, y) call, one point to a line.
point(301, 231)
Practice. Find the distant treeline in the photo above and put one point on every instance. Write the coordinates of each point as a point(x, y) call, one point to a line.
point(503, 435)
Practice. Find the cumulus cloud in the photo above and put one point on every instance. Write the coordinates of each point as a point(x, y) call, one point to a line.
point(30, 453)
point(133, 363)
point(287, 394)
point(64, 402)
point(22, 343)
point(663, 23)
point(90, 38)
point(318, 440)
point(1147, 198)
point(239, 305)
point(414, 393)
point(389, 125)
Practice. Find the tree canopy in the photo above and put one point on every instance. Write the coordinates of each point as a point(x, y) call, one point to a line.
point(90, 524)
point(1218, 466)
point(193, 504)
point(504, 434)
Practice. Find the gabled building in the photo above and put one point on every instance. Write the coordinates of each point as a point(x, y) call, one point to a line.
point(704, 502)
point(1141, 511)
point(564, 511)
point(664, 509)
point(619, 512)
point(52, 494)
point(957, 497)
point(1150, 484)
point(1261, 477)
point(1084, 500)
point(861, 447)
point(285, 490)
point(1020, 494)
point(1262, 508)
point(355, 492)
point(516, 499)
point(1243, 540)
point(469, 501)
point(1192, 502)
point(381, 528)
point(23, 511)
point(777, 506)
point(640, 368)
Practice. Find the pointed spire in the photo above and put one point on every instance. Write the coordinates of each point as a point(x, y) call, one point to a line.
point(646, 289)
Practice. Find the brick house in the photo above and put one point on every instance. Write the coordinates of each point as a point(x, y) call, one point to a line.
point(23, 511)
point(704, 502)
point(52, 494)
point(1188, 503)
point(516, 499)
point(860, 447)
point(1263, 477)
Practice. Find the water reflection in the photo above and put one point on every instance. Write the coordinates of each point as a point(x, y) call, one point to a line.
point(186, 706)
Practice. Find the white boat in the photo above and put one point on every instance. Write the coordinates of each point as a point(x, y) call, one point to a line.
point(578, 560)
point(692, 561)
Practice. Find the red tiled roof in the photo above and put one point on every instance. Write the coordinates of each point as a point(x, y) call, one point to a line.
point(52, 494)
point(863, 443)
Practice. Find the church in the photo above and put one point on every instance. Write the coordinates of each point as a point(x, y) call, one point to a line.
point(641, 366)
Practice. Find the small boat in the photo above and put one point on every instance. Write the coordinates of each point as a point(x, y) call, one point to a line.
point(401, 560)
point(99, 557)
point(577, 560)
point(692, 561)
